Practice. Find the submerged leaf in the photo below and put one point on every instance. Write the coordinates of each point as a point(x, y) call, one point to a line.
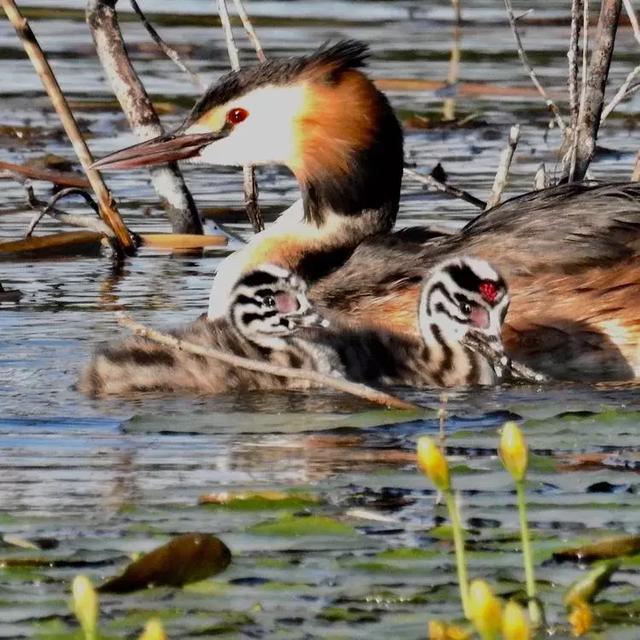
point(187, 558)
point(601, 550)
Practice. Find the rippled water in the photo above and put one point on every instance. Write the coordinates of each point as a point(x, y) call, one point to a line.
point(109, 478)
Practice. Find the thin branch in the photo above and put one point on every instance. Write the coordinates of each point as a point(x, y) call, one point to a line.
point(633, 19)
point(552, 106)
point(48, 208)
point(572, 56)
point(248, 27)
point(596, 81)
point(623, 92)
point(170, 52)
point(359, 390)
point(107, 206)
point(249, 181)
point(135, 103)
point(569, 160)
point(540, 180)
point(61, 178)
point(635, 176)
point(500, 181)
point(503, 366)
point(437, 185)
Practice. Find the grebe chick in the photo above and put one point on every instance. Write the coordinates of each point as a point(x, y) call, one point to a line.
point(269, 305)
point(461, 297)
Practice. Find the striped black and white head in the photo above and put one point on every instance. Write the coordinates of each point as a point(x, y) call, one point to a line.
point(463, 295)
point(270, 303)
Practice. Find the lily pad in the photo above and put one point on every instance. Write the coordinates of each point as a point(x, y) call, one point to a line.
point(187, 558)
point(303, 526)
point(614, 547)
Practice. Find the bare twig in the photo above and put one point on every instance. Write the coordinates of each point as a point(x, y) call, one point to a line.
point(540, 180)
point(48, 208)
point(633, 19)
point(596, 80)
point(61, 178)
point(503, 366)
point(569, 161)
point(250, 184)
point(457, 11)
point(572, 56)
point(636, 169)
point(248, 27)
point(107, 206)
point(623, 92)
point(552, 106)
point(449, 104)
point(500, 181)
point(138, 108)
point(436, 185)
point(170, 52)
point(359, 390)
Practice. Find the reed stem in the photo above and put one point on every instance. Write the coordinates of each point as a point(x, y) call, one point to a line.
point(458, 543)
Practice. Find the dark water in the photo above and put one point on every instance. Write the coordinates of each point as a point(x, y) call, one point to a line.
point(110, 478)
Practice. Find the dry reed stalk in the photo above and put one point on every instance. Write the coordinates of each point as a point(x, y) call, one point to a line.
point(108, 209)
point(594, 83)
point(353, 388)
point(60, 178)
point(500, 181)
point(437, 185)
point(249, 174)
point(137, 106)
point(553, 107)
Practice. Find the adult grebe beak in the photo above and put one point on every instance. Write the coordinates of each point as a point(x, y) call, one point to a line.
point(164, 148)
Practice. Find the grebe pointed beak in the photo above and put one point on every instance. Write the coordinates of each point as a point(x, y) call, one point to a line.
point(165, 148)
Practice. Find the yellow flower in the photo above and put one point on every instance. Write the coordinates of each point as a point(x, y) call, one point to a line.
point(153, 630)
point(85, 605)
point(438, 630)
point(513, 451)
point(485, 610)
point(580, 619)
point(515, 625)
point(432, 461)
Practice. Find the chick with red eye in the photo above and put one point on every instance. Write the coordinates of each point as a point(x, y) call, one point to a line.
point(237, 115)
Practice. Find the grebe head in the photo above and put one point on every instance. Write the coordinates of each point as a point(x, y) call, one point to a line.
point(463, 296)
point(269, 303)
point(318, 114)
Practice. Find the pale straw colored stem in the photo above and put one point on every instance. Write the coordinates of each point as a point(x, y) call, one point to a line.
point(38, 59)
point(353, 388)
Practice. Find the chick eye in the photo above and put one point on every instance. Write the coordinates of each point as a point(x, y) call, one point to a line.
point(465, 307)
point(269, 301)
point(237, 115)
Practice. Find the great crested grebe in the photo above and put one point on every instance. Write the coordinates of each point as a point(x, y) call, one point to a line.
point(268, 306)
point(269, 318)
point(570, 253)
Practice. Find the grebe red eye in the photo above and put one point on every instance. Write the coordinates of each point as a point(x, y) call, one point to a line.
point(489, 291)
point(237, 115)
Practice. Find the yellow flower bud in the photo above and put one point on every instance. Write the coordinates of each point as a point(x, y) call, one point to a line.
point(153, 630)
point(438, 630)
point(513, 451)
point(85, 605)
point(432, 461)
point(580, 619)
point(485, 610)
point(515, 625)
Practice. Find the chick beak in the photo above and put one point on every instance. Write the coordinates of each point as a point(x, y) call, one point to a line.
point(165, 148)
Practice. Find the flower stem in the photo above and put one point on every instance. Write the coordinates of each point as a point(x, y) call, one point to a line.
point(535, 611)
point(458, 542)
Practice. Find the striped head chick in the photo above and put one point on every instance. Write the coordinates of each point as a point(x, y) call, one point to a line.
point(463, 299)
point(269, 304)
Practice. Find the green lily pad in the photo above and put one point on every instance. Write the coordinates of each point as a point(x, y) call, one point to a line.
point(303, 526)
